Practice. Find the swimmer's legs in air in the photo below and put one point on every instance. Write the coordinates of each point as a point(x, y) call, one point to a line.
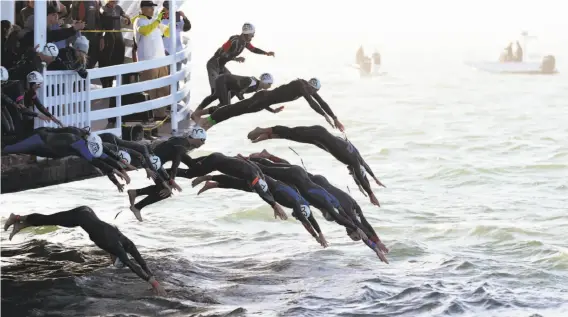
point(153, 193)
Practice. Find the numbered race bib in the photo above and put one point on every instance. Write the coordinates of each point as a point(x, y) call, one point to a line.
point(306, 211)
point(263, 185)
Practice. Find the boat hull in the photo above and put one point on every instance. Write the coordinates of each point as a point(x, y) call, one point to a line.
point(527, 68)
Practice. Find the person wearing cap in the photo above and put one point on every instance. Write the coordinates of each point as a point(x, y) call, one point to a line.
point(73, 58)
point(182, 24)
point(52, 36)
point(228, 85)
point(230, 51)
point(148, 34)
point(89, 12)
point(112, 17)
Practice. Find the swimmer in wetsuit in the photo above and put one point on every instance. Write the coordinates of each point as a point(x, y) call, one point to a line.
point(230, 51)
point(317, 196)
point(61, 142)
point(174, 149)
point(104, 235)
point(227, 86)
point(283, 194)
point(317, 135)
point(237, 167)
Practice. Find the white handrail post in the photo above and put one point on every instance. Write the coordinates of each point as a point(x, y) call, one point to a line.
point(118, 104)
point(40, 23)
point(173, 67)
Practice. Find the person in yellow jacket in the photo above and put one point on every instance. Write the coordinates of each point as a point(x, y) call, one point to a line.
point(148, 34)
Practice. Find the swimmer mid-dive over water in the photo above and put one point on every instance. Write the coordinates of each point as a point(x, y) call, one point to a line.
point(350, 206)
point(317, 196)
point(227, 86)
point(264, 99)
point(104, 235)
point(341, 149)
point(61, 142)
point(283, 194)
point(236, 167)
point(174, 149)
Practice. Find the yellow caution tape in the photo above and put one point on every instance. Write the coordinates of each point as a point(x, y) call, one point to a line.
point(101, 31)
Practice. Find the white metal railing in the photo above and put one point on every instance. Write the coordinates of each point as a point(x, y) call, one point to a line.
point(69, 97)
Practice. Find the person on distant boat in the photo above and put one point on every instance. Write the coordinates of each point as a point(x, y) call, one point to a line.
point(367, 65)
point(283, 194)
point(509, 49)
point(228, 85)
point(230, 51)
point(376, 58)
point(237, 167)
point(104, 235)
point(61, 142)
point(264, 99)
point(342, 149)
point(519, 53)
point(174, 149)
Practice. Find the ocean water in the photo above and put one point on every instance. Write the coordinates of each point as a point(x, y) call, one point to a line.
point(474, 212)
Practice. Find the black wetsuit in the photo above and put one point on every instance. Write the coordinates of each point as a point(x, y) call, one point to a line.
point(349, 205)
point(61, 142)
point(228, 52)
point(318, 197)
point(104, 235)
point(283, 194)
point(139, 152)
point(174, 149)
point(227, 86)
point(249, 105)
point(232, 166)
point(292, 91)
point(341, 149)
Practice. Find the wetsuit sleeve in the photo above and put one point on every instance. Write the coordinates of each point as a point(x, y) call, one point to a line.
point(175, 162)
point(366, 225)
point(130, 248)
point(229, 47)
point(163, 174)
point(304, 91)
point(100, 164)
point(60, 35)
point(324, 105)
point(297, 212)
point(269, 163)
point(28, 98)
point(110, 153)
point(314, 223)
point(254, 49)
point(367, 168)
point(186, 24)
point(133, 267)
point(362, 180)
point(113, 179)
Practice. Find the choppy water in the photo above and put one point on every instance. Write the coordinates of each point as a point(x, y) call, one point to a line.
point(474, 213)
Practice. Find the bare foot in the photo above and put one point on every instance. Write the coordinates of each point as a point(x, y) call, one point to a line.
point(262, 137)
point(132, 196)
point(16, 228)
point(136, 212)
point(208, 185)
point(199, 180)
point(265, 154)
point(11, 220)
point(255, 133)
point(375, 201)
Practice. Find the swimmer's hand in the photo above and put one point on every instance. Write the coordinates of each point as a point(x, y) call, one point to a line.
point(381, 255)
point(175, 185)
point(379, 182)
point(57, 122)
point(126, 177)
point(339, 125)
point(279, 212)
point(120, 187)
point(157, 288)
point(43, 117)
point(278, 109)
point(270, 54)
point(374, 200)
point(239, 59)
point(166, 192)
point(150, 174)
point(322, 241)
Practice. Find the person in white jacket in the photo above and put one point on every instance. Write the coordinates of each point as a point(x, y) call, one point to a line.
point(148, 34)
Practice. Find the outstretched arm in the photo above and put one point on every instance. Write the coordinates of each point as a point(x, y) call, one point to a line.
point(255, 50)
point(130, 248)
point(324, 106)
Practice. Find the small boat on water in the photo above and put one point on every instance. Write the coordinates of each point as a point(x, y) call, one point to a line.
point(508, 64)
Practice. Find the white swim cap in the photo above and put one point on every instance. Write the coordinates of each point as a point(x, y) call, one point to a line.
point(156, 162)
point(4, 72)
point(198, 133)
point(118, 263)
point(248, 28)
point(35, 77)
point(263, 185)
point(124, 157)
point(306, 210)
point(95, 145)
point(82, 44)
point(51, 50)
point(314, 82)
point(266, 78)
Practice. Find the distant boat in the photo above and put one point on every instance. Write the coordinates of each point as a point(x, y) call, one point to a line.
point(547, 66)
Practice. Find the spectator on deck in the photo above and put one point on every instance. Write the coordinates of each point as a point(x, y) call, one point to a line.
point(89, 12)
point(73, 58)
point(25, 13)
point(11, 47)
point(148, 34)
point(182, 23)
point(112, 18)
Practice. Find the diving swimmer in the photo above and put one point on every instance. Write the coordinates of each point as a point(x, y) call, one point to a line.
point(227, 86)
point(174, 149)
point(237, 167)
point(283, 194)
point(341, 149)
point(104, 235)
point(230, 51)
